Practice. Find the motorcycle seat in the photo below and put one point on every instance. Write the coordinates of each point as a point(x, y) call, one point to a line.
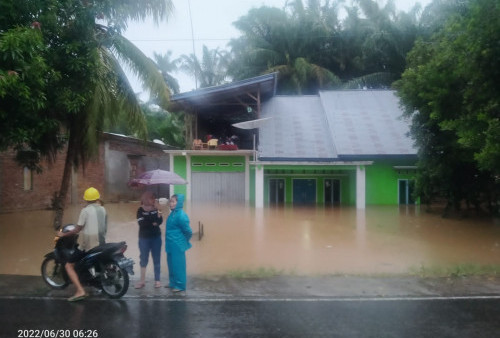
point(106, 247)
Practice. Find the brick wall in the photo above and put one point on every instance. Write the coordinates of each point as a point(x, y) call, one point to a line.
point(13, 196)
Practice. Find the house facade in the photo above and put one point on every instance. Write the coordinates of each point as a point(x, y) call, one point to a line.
point(347, 147)
point(119, 159)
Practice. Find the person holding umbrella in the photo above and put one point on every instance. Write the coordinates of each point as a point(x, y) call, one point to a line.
point(149, 219)
point(178, 234)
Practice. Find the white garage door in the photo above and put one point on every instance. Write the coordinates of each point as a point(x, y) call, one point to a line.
point(218, 187)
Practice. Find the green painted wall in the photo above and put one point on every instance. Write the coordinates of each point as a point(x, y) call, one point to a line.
point(180, 168)
point(218, 164)
point(381, 177)
point(382, 182)
point(252, 185)
point(318, 173)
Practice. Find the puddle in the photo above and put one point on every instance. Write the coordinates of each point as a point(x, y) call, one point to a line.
point(301, 241)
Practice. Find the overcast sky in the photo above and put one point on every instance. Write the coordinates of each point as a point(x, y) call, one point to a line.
point(212, 26)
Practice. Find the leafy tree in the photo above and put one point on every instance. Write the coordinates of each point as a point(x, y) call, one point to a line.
point(82, 47)
point(451, 90)
point(312, 49)
point(25, 77)
point(377, 39)
point(210, 71)
point(165, 126)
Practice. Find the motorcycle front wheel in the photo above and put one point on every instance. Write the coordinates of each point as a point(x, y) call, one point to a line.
point(114, 280)
point(53, 274)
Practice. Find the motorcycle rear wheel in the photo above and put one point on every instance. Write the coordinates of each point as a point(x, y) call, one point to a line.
point(114, 280)
point(53, 274)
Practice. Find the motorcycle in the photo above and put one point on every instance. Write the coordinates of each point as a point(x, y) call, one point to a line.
point(104, 267)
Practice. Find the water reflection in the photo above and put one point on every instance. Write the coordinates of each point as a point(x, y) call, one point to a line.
point(293, 240)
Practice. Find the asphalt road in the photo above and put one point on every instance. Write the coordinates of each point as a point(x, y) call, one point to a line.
point(476, 316)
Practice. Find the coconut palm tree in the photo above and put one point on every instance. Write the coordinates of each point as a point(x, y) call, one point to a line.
point(85, 51)
point(274, 40)
point(167, 67)
point(380, 38)
point(210, 71)
point(108, 90)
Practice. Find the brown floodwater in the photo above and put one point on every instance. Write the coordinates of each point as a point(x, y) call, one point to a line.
point(301, 241)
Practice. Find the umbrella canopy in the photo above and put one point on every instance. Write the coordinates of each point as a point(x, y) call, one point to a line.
point(158, 177)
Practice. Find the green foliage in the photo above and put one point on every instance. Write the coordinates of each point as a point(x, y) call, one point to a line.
point(159, 124)
point(451, 90)
point(25, 77)
point(312, 49)
point(459, 270)
point(61, 75)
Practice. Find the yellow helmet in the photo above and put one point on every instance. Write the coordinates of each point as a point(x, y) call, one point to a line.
point(91, 194)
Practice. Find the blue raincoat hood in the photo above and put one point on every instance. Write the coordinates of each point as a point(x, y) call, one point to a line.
point(180, 201)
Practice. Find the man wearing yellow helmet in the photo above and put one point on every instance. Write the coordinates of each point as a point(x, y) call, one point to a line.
point(92, 224)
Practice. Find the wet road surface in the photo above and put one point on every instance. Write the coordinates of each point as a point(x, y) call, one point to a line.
point(400, 317)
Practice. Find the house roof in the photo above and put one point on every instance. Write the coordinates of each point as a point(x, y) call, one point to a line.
point(227, 96)
point(297, 129)
point(334, 125)
point(367, 122)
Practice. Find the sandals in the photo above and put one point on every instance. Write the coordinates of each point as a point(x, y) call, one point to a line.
point(139, 285)
point(77, 298)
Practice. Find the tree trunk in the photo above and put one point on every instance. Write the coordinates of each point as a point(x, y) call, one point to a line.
point(59, 202)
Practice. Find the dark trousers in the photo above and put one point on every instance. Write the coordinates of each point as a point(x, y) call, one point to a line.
point(153, 245)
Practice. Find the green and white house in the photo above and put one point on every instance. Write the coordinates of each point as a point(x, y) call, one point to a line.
point(347, 148)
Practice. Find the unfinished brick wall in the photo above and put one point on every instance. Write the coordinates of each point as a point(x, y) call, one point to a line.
point(14, 197)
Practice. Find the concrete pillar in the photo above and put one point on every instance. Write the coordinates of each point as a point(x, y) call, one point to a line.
point(171, 187)
point(247, 179)
point(259, 186)
point(360, 187)
point(188, 177)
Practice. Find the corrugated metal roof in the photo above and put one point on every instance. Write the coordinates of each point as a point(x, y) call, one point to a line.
point(334, 124)
point(367, 122)
point(235, 93)
point(298, 129)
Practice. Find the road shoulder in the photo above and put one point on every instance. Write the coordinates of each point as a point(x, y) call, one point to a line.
point(284, 287)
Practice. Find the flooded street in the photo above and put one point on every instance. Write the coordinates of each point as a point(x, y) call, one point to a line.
point(379, 240)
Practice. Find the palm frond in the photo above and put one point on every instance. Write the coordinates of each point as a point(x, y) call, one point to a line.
point(119, 12)
point(143, 67)
point(125, 101)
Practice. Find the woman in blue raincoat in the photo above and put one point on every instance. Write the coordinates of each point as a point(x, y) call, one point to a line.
point(177, 236)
